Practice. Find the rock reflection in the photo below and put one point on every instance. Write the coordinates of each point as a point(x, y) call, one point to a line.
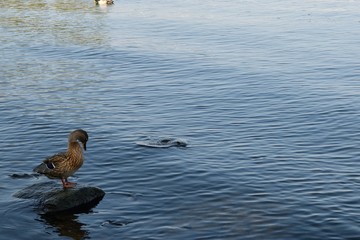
point(66, 224)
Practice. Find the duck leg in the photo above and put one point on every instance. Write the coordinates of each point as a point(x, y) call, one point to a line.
point(67, 184)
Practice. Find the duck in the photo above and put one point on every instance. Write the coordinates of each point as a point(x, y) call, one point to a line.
point(104, 2)
point(64, 164)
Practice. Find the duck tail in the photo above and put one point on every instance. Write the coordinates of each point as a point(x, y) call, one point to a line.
point(42, 168)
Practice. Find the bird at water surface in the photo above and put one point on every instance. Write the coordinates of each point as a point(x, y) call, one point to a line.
point(104, 2)
point(65, 164)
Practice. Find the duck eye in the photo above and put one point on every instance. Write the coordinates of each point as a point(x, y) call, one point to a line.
point(50, 165)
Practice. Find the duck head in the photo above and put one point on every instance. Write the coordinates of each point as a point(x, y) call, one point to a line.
point(79, 136)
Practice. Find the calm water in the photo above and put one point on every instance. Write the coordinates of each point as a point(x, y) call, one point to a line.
point(265, 93)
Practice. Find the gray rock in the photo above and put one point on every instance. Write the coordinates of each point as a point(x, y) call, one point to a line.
point(50, 197)
point(162, 142)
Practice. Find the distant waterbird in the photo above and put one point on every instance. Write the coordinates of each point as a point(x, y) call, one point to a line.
point(104, 2)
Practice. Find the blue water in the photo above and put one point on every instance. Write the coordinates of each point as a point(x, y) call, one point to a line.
point(266, 94)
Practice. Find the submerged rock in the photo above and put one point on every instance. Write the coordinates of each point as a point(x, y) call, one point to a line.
point(163, 142)
point(23, 175)
point(50, 198)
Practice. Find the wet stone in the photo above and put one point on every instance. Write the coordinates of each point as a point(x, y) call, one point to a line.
point(23, 175)
point(49, 197)
point(163, 142)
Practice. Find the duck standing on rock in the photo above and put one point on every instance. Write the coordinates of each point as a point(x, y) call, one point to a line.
point(65, 164)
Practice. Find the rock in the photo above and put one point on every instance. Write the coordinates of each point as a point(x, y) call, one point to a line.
point(162, 142)
point(23, 175)
point(50, 197)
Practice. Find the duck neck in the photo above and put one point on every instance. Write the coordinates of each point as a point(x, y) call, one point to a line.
point(74, 151)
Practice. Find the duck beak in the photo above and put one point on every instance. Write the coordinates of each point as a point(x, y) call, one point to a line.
point(84, 145)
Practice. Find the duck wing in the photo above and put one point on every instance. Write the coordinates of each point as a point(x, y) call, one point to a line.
point(52, 164)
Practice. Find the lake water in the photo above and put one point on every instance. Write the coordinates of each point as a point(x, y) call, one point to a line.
point(266, 94)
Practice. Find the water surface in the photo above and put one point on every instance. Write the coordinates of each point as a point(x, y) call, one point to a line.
point(265, 94)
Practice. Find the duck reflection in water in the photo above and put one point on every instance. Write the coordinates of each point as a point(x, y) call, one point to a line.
point(66, 224)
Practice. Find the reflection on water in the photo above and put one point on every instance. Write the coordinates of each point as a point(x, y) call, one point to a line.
point(57, 21)
point(66, 224)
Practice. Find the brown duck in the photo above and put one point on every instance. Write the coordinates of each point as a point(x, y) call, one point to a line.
point(65, 164)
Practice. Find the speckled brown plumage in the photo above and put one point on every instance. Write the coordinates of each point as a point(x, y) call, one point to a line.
point(65, 164)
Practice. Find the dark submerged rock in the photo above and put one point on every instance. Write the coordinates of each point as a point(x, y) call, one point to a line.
point(163, 142)
point(23, 175)
point(50, 197)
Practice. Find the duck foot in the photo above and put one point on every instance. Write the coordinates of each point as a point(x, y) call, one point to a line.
point(67, 184)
